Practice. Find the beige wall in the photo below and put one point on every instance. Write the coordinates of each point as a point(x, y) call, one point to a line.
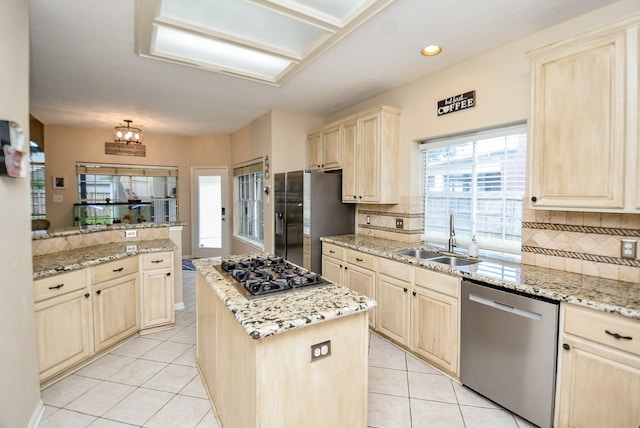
point(19, 387)
point(68, 145)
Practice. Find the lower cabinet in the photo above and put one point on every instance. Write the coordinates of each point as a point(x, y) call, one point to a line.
point(116, 310)
point(394, 304)
point(435, 319)
point(600, 373)
point(63, 331)
point(333, 263)
point(157, 290)
point(360, 276)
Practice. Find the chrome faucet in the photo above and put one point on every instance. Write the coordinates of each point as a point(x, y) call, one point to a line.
point(452, 234)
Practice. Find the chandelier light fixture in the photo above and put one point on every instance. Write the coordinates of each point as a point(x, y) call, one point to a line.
point(127, 133)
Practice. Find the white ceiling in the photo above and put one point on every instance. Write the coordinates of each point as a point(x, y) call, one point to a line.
point(85, 72)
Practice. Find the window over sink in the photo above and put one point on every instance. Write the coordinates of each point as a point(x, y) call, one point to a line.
point(479, 178)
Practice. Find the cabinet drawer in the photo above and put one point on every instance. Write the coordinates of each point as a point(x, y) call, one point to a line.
point(439, 282)
point(594, 325)
point(57, 285)
point(156, 260)
point(401, 271)
point(332, 250)
point(357, 258)
point(111, 270)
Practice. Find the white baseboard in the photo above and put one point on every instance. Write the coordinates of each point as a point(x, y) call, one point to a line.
point(178, 306)
point(36, 417)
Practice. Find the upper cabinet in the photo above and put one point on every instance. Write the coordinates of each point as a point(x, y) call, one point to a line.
point(583, 147)
point(324, 148)
point(370, 157)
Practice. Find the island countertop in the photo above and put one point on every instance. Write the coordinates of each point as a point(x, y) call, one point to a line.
point(272, 315)
point(602, 294)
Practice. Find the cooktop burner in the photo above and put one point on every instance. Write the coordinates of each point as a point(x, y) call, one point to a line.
point(266, 276)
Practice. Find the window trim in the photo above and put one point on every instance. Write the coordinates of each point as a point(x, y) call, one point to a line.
point(248, 168)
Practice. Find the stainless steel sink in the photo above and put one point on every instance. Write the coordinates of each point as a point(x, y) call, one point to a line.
point(419, 253)
point(453, 261)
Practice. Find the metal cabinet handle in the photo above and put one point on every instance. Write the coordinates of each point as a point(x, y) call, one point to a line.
point(56, 287)
point(157, 261)
point(119, 270)
point(405, 289)
point(618, 336)
point(87, 295)
point(358, 259)
point(98, 292)
point(168, 273)
point(414, 293)
point(534, 199)
point(332, 252)
point(566, 346)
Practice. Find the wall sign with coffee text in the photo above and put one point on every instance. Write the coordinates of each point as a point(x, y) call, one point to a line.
point(457, 103)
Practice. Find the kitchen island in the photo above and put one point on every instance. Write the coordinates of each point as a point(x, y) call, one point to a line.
point(255, 356)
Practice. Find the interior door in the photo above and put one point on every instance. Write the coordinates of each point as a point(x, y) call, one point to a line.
point(210, 233)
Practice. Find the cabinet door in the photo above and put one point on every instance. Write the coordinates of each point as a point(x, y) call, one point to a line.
point(369, 159)
point(332, 269)
point(313, 151)
point(349, 164)
point(332, 148)
point(577, 152)
point(435, 328)
point(63, 332)
point(599, 387)
point(157, 298)
point(362, 281)
point(393, 318)
point(116, 310)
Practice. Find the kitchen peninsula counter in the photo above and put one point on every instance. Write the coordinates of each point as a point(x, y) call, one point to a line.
point(284, 361)
point(601, 294)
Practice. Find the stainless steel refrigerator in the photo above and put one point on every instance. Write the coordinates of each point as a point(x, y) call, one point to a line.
point(309, 205)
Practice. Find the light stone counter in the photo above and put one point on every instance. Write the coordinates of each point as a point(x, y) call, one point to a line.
point(64, 261)
point(602, 294)
point(71, 231)
point(272, 315)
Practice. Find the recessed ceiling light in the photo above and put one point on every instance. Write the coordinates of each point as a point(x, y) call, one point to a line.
point(431, 50)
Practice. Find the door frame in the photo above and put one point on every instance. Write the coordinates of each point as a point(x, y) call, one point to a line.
point(223, 171)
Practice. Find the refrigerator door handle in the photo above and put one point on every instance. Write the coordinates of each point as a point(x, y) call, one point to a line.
point(279, 223)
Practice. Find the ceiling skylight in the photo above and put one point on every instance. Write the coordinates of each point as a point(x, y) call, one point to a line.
point(263, 40)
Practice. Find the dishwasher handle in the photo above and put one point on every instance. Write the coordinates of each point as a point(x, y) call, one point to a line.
point(506, 308)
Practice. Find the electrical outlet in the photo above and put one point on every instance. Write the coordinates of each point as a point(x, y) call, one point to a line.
point(368, 219)
point(628, 248)
point(320, 350)
point(131, 233)
point(131, 248)
point(399, 223)
point(57, 199)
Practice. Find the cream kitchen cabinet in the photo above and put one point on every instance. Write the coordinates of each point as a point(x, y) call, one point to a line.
point(435, 319)
point(360, 276)
point(600, 370)
point(63, 322)
point(157, 289)
point(116, 301)
point(393, 296)
point(370, 157)
point(324, 148)
point(583, 145)
point(333, 263)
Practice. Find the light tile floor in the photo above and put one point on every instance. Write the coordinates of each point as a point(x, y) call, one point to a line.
point(152, 381)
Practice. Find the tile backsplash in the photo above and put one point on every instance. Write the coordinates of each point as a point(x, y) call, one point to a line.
point(580, 242)
point(382, 219)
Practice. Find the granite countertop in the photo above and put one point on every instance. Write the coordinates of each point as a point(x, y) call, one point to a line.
point(42, 234)
point(602, 294)
point(63, 261)
point(272, 315)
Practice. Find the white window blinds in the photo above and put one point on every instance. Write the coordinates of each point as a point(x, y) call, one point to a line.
point(480, 179)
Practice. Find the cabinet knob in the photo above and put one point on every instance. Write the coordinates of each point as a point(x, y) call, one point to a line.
point(99, 291)
point(534, 199)
point(87, 295)
point(405, 289)
point(413, 293)
point(566, 346)
point(168, 273)
point(355, 197)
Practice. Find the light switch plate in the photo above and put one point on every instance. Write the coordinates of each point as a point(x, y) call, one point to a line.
point(57, 199)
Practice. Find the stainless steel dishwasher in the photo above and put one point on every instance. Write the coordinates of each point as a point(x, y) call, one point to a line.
point(508, 347)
